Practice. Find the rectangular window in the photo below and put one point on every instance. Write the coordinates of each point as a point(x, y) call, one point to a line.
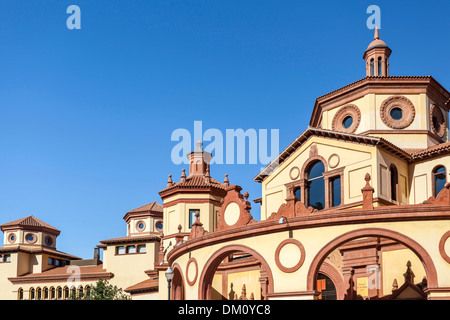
point(192, 216)
point(120, 250)
point(298, 193)
point(335, 184)
point(57, 262)
point(131, 249)
point(7, 258)
point(1, 258)
point(50, 261)
point(141, 248)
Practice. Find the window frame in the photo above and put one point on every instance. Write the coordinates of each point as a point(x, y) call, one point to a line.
point(434, 173)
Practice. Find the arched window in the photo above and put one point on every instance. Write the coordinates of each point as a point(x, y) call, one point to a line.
point(52, 293)
point(31, 291)
point(372, 71)
point(298, 193)
point(380, 67)
point(394, 182)
point(80, 292)
point(59, 293)
point(39, 293)
point(73, 293)
point(326, 288)
point(66, 292)
point(439, 179)
point(45, 293)
point(20, 294)
point(88, 292)
point(316, 185)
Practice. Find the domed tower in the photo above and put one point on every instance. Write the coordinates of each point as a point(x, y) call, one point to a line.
point(377, 57)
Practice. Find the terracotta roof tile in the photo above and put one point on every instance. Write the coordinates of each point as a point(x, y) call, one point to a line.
point(152, 206)
point(151, 284)
point(29, 221)
point(129, 239)
point(196, 181)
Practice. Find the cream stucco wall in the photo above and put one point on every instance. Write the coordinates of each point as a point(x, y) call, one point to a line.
point(426, 233)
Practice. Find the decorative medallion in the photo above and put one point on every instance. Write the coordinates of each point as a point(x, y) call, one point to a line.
point(347, 119)
point(333, 161)
point(437, 121)
point(191, 271)
point(288, 250)
point(294, 173)
point(397, 112)
point(442, 249)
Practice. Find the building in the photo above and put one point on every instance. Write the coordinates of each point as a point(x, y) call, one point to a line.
point(356, 207)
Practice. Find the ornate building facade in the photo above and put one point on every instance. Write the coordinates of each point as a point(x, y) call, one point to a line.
point(356, 207)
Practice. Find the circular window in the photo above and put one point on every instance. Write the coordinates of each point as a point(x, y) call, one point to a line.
point(48, 240)
point(346, 119)
point(397, 112)
point(140, 226)
point(30, 238)
point(438, 125)
point(347, 122)
point(159, 225)
point(12, 238)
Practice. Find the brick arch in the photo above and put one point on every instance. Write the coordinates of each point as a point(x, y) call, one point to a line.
point(310, 162)
point(421, 253)
point(204, 288)
point(177, 288)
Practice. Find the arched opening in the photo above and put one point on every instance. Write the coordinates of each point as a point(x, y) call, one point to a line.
point(380, 66)
point(394, 182)
point(20, 294)
point(235, 272)
point(372, 67)
point(326, 287)
point(177, 287)
point(439, 175)
point(374, 263)
point(316, 185)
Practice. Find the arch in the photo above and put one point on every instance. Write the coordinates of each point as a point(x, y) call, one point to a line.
point(439, 179)
point(31, 293)
point(204, 287)
point(52, 293)
point(421, 253)
point(331, 272)
point(45, 293)
point(380, 66)
point(20, 294)
point(315, 185)
point(372, 67)
point(59, 293)
point(310, 162)
point(394, 182)
point(177, 291)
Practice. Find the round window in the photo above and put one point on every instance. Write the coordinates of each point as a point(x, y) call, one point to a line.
point(12, 238)
point(30, 238)
point(396, 113)
point(48, 241)
point(140, 226)
point(347, 122)
point(159, 225)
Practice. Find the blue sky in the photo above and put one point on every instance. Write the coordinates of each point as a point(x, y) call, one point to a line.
point(86, 116)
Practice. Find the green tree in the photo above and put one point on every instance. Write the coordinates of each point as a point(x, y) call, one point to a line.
point(103, 290)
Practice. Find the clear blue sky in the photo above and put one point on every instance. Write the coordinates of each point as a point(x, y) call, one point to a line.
point(86, 115)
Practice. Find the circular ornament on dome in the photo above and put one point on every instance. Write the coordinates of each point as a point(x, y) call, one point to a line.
point(438, 125)
point(397, 112)
point(347, 119)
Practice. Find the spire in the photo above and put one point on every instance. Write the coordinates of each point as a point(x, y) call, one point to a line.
point(199, 161)
point(377, 57)
point(376, 36)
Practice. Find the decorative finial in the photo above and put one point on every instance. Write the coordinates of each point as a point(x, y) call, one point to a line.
point(207, 176)
point(183, 176)
point(179, 228)
point(377, 34)
point(225, 181)
point(169, 181)
point(394, 285)
point(246, 195)
point(199, 146)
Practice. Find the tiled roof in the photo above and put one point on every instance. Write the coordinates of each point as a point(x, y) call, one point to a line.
point(431, 151)
point(37, 250)
point(147, 285)
point(87, 273)
point(130, 239)
point(152, 206)
point(197, 181)
point(29, 221)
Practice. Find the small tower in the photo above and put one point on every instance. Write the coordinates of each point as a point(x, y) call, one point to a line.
point(377, 57)
point(199, 161)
